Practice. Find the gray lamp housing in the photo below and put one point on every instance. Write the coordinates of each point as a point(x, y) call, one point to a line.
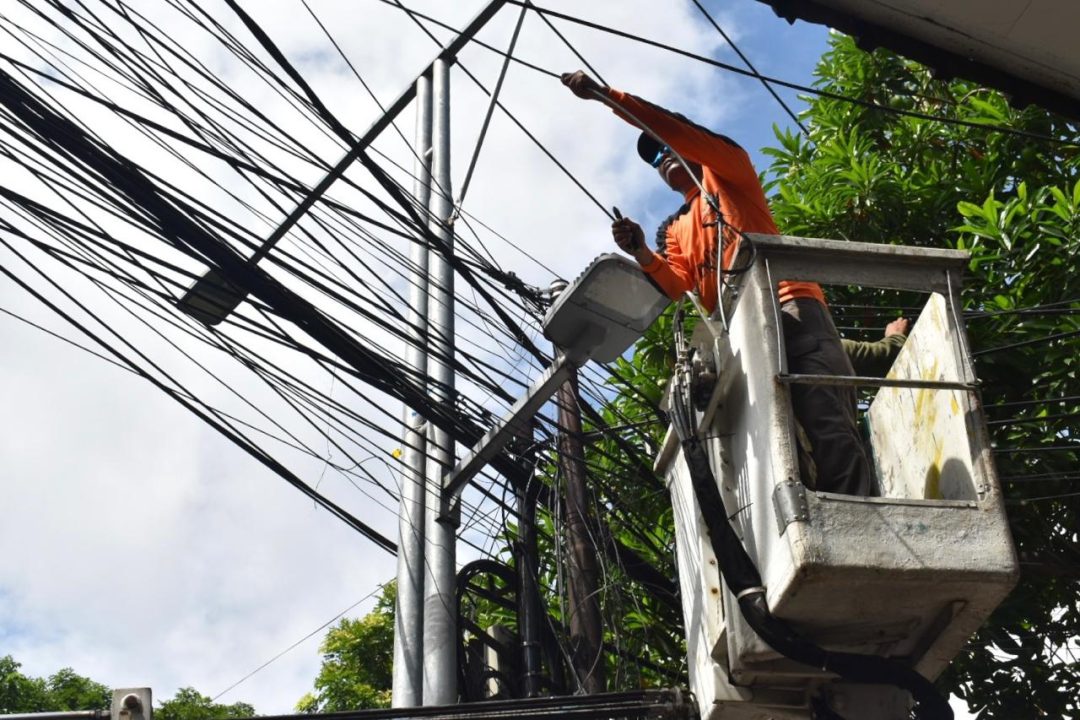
point(604, 310)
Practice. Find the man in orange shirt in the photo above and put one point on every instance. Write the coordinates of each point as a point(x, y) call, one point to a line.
point(687, 261)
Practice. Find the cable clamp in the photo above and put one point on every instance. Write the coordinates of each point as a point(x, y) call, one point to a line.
point(751, 591)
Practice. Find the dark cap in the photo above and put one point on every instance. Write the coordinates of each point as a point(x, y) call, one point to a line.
point(647, 147)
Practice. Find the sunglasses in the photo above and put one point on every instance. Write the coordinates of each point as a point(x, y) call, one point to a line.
point(663, 151)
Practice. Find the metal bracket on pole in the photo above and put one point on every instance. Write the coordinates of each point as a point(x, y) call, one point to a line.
point(506, 429)
point(132, 704)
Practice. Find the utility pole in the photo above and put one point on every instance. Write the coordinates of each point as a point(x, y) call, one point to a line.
point(408, 680)
point(440, 605)
point(582, 590)
point(526, 557)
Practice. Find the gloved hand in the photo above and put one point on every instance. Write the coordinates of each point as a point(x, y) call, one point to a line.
point(630, 238)
point(581, 84)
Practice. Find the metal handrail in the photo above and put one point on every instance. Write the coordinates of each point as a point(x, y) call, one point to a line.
point(862, 380)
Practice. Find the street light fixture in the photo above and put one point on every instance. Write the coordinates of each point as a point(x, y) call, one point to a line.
point(604, 311)
point(597, 317)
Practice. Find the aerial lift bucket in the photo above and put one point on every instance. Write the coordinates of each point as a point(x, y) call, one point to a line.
point(908, 574)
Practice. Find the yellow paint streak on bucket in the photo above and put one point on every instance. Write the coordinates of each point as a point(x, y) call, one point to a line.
point(925, 396)
point(932, 488)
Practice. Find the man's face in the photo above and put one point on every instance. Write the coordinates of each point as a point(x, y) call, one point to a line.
point(674, 174)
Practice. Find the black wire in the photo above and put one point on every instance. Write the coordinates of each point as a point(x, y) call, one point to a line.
point(569, 45)
point(125, 368)
point(1034, 419)
point(373, 316)
point(414, 16)
point(1028, 403)
point(129, 280)
point(392, 188)
point(167, 319)
point(795, 86)
point(309, 451)
point(1037, 449)
point(231, 434)
point(750, 66)
point(1043, 498)
point(1041, 477)
point(1028, 343)
point(69, 341)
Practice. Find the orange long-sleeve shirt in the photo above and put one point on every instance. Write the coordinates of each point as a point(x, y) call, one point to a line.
point(728, 175)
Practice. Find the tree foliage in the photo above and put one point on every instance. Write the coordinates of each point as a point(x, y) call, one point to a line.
point(637, 620)
point(628, 505)
point(357, 665)
point(190, 704)
point(63, 690)
point(1014, 203)
point(67, 690)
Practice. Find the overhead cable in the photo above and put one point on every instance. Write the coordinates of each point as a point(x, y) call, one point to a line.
point(751, 68)
point(795, 86)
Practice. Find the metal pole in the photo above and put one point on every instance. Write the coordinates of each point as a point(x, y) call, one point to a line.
point(400, 103)
point(527, 560)
point(408, 682)
point(440, 610)
point(585, 625)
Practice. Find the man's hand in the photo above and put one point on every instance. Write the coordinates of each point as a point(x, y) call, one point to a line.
point(581, 84)
point(631, 239)
point(899, 326)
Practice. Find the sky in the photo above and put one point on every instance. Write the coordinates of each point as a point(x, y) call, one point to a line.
point(142, 548)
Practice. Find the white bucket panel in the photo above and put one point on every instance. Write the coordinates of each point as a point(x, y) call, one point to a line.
point(699, 579)
point(920, 436)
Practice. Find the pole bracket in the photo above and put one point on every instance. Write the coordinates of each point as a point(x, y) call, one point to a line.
point(506, 429)
point(132, 704)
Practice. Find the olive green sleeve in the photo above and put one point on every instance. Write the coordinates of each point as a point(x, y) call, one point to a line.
point(873, 359)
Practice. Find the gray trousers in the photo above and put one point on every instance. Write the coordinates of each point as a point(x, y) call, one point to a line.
point(837, 460)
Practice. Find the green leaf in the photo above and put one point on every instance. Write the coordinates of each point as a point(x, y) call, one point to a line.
point(969, 209)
